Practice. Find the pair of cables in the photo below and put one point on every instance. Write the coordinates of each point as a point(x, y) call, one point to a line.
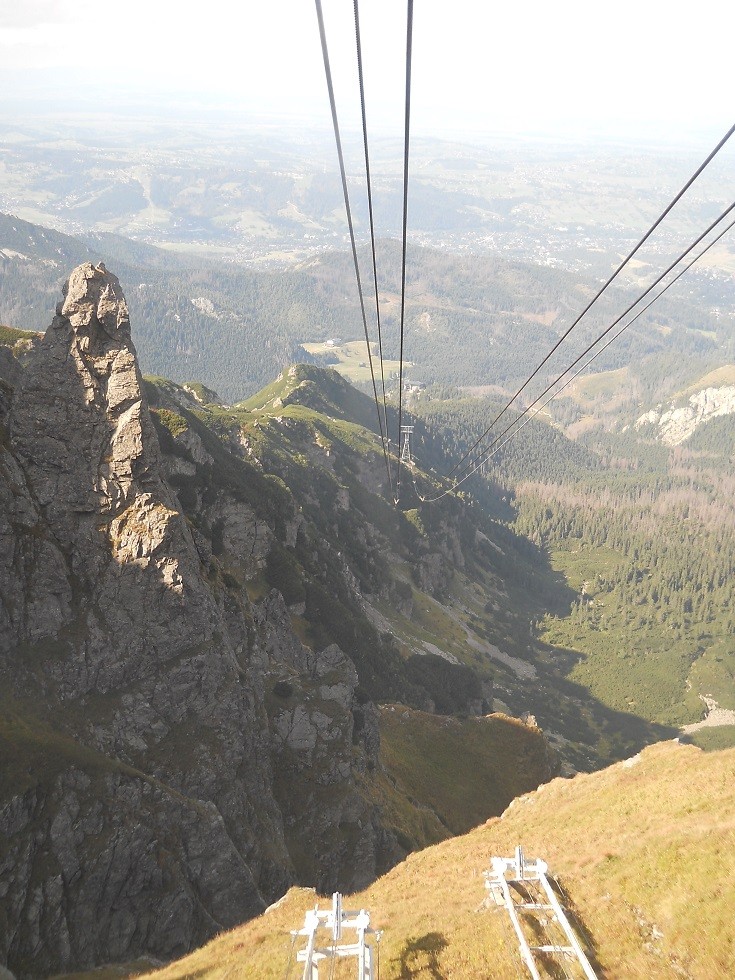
point(467, 463)
point(528, 415)
point(382, 416)
point(472, 465)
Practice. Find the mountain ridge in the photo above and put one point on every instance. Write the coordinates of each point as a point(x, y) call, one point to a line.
point(497, 315)
point(182, 728)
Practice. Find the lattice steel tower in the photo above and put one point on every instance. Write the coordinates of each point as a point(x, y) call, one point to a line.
point(406, 456)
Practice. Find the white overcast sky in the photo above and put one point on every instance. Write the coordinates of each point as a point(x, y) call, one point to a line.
point(632, 65)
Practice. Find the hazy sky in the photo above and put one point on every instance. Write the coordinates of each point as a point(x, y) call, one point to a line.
point(478, 66)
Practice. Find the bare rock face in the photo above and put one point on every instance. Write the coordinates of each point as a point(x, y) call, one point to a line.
point(316, 725)
point(678, 422)
point(166, 744)
point(112, 642)
point(82, 432)
point(129, 864)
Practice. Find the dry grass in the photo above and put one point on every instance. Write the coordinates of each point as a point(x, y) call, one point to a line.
point(718, 378)
point(606, 389)
point(644, 850)
point(721, 257)
point(459, 768)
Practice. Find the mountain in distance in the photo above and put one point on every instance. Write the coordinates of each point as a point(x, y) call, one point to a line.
point(245, 190)
point(188, 313)
point(235, 327)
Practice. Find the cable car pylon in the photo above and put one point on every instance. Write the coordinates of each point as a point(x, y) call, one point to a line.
point(331, 923)
point(406, 432)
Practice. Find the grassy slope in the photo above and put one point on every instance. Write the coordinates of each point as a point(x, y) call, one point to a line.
point(443, 775)
point(644, 850)
point(352, 360)
point(724, 375)
point(32, 753)
point(11, 335)
point(290, 425)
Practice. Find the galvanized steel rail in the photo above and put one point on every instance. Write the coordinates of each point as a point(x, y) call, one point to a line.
point(332, 948)
point(524, 889)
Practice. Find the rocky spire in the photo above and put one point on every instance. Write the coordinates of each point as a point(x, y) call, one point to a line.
point(80, 423)
point(145, 678)
point(114, 632)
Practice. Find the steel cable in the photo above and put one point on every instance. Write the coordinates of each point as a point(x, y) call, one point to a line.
point(290, 961)
point(407, 128)
point(605, 346)
point(486, 452)
point(335, 123)
point(599, 293)
point(358, 43)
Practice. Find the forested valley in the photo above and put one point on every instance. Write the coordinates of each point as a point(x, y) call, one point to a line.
point(477, 320)
point(643, 534)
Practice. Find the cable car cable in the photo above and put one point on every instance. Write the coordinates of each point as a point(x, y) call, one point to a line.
point(605, 346)
point(475, 465)
point(358, 44)
point(615, 322)
point(599, 293)
point(335, 123)
point(407, 126)
point(603, 334)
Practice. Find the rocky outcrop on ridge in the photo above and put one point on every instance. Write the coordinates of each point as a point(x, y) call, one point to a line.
point(677, 423)
point(139, 804)
point(187, 663)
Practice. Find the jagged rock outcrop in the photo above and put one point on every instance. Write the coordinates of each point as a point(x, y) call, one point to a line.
point(187, 664)
point(677, 423)
point(10, 369)
point(128, 864)
point(152, 820)
point(108, 624)
point(317, 718)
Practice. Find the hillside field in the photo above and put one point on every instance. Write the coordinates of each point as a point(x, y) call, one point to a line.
point(644, 852)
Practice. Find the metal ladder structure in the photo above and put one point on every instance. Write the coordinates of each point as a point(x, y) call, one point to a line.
point(524, 889)
point(335, 920)
point(406, 455)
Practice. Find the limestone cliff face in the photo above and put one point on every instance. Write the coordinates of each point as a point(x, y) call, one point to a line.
point(677, 423)
point(140, 806)
point(323, 739)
